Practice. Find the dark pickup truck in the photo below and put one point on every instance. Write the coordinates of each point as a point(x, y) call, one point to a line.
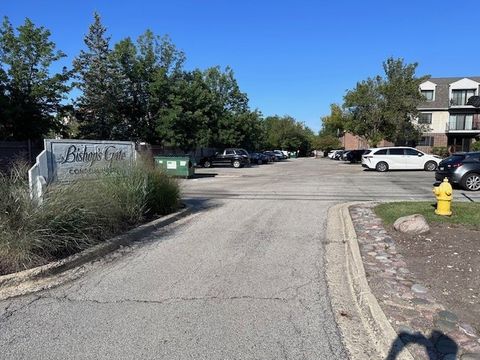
point(229, 157)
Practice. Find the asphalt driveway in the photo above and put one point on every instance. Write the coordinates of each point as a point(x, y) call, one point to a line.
point(241, 278)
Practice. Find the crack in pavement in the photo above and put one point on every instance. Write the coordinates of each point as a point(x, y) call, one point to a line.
point(9, 313)
point(298, 333)
point(172, 299)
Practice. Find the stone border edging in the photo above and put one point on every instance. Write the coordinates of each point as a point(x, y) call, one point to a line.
point(55, 273)
point(365, 328)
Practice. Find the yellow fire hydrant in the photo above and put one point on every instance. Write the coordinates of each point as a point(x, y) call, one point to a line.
point(444, 195)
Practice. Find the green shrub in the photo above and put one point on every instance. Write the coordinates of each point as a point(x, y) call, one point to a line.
point(76, 215)
point(440, 151)
point(476, 146)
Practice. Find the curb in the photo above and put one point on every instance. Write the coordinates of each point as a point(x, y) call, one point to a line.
point(366, 331)
point(55, 273)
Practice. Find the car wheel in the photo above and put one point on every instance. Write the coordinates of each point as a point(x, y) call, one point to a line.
point(260, 162)
point(430, 166)
point(382, 166)
point(207, 164)
point(236, 164)
point(471, 182)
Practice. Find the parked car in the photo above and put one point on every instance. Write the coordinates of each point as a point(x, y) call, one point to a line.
point(338, 155)
point(229, 157)
point(332, 153)
point(462, 169)
point(399, 158)
point(354, 155)
point(259, 158)
point(344, 155)
point(271, 156)
point(279, 154)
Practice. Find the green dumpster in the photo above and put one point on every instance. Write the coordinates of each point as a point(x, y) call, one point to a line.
point(178, 166)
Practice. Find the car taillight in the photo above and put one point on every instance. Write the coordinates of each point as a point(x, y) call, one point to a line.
point(456, 165)
point(367, 156)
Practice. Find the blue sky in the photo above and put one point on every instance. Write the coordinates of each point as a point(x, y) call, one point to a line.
point(291, 57)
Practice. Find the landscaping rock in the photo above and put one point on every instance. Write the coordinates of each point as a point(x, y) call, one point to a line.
point(412, 224)
point(419, 289)
point(468, 329)
point(444, 325)
point(419, 301)
point(448, 316)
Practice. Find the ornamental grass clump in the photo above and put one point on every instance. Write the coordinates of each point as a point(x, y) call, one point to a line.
point(76, 215)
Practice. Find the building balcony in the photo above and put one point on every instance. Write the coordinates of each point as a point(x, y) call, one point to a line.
point(472, 127)
point(460, 104)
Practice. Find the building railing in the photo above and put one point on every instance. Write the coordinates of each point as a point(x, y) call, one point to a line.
point(463, 125)
point(460, 102)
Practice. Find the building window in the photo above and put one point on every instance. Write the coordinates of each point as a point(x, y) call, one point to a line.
point(461, 122)
point(428, 94)
point(425, 118)
point(426, 141)
point(460, 97)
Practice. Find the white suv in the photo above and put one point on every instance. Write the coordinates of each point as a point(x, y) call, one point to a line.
point(399, 158)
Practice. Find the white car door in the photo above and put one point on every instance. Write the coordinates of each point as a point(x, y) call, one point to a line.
point(396, 158)
point(414, 159)
point(377, 156)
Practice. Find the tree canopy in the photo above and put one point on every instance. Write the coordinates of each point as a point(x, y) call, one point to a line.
point(385, 107)
point(134, 89)
point(30, 97)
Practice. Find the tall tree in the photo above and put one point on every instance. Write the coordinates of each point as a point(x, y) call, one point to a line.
point(181, 121)
point(231, 111)
point(147, 66)
point(401, 98)
point(366, 106)
point(30, 97)
point(336, 123)
point(385, 108)
point(101, 85)
point(287, 134)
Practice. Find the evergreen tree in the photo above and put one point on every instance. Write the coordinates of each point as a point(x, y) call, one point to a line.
point(30, 98)
point(148, 70)
point(101, 85)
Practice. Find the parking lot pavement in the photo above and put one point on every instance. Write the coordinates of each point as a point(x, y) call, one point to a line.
point(241, 278)
point(314, 180)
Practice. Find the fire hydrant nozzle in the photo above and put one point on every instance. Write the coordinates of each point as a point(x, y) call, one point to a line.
point(443, 194)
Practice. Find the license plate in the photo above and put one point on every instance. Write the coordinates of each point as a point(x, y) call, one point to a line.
point(441, 168)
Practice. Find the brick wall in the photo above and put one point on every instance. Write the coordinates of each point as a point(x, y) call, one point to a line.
point(353, 142)
point(439, 139)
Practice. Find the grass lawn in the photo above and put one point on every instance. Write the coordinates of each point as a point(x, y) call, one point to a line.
point(467, 214)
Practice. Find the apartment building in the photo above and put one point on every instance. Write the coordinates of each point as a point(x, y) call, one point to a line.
point(451, 112)
point(451, 115)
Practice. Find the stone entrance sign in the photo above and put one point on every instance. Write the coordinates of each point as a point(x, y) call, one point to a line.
point(68, 160)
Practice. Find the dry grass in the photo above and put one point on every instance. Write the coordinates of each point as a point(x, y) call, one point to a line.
point(77, 215)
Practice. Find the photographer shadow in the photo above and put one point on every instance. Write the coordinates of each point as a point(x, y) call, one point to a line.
point(438, 346)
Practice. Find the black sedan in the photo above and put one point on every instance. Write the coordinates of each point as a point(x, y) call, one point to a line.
point(259, 158)
point(462, 169)
point(271, 155)
point(354, 155)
